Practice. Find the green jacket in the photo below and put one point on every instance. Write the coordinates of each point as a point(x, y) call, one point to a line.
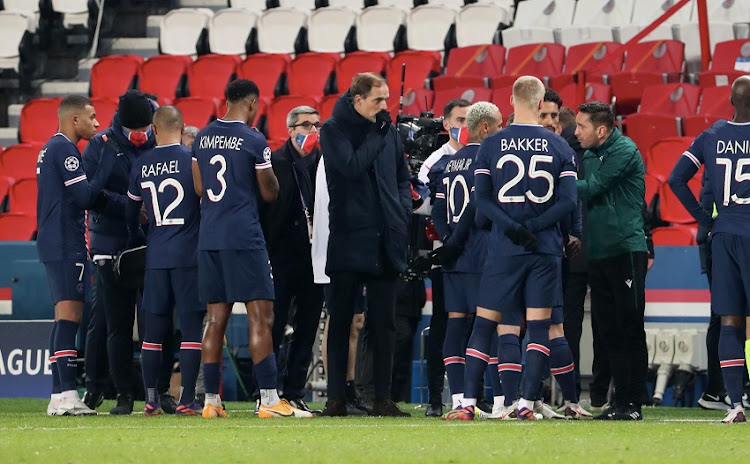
point(614, 190)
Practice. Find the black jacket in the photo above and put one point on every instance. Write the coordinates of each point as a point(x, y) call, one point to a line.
point(368, 182)
point(283, 220)
point(109, 228)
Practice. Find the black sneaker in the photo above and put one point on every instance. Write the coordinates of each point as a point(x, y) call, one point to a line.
point(93, 400)
point(352, 410)
point(301, 404)
point(434, 410)
point(484, 405)
point(257, 407)
point(124, 405)
point(708, 401)
point(335, 408)
point(607, 414)
point(168, 404)
point(387, 408)
point(630, 413)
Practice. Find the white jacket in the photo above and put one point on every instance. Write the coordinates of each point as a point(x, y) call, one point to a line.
point(320, 232)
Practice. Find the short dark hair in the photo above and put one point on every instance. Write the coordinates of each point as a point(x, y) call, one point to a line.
point(599, 113)
point(240, 89)
point(554, 97)
point(168, 117)
point(363, 83)
point(455, 103)
point(73, 102)
point(567, 117)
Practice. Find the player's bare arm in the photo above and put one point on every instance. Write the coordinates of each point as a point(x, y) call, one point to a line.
point(267, 183)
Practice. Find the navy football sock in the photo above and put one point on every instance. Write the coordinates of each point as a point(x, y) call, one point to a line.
point(509, 366)
point(190, 353)
point(477, 356)
point(53, 361)
point(266, 374)
point(563, 368)
point(454, 349)
point(155, 328)
point(212, 377)
point(497, 389)
point(537, 356)
point(732, 360)
point(66, 354)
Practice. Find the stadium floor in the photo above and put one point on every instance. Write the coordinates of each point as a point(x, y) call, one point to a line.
point(666, 435)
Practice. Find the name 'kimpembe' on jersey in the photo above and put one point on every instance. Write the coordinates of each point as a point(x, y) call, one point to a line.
point(228, 154)
point(163, 179)
point(724, 149)
point(525, 163)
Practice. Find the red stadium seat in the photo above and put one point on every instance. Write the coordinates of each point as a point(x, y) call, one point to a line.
point(326, 106)
point(692, 126)
point(472, 95)
point(652, 188)
point(594, 92)
point(23, 197)
point(715, 101)
point(664, 154)
point(647, 63)
point(419, 67)
point(105, 111)
point(163, 76)
point(357, 62)
point(17, 227)
point(476, 60)
point(453, 82)
point(501, 98)
point(278, 111)
point(39, 120)
point(19, 161)
point(209, 75)
point(415, 101)
point(723, 61)
point(673, 236)
point(112, 75)
point(670, 208)
point(197, 111)
point(675, 99)
point(585, 57)
point(540, 60)
point(646, 129)
point(310, 72)
point(265, 70)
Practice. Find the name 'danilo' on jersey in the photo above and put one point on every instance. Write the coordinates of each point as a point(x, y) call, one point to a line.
point(733, 146)
point(158, 169)
point(221, 142)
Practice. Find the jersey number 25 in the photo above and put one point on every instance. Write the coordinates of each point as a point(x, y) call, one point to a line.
point(534, 173)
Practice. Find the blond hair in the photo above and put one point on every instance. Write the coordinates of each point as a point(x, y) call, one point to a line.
point(528, 91)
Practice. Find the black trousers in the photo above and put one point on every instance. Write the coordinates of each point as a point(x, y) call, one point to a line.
point(406, 328)
point(618, 302)
point(574, 297)
point(96, 345)
point(434, 342)
point(381, 305)
point(293, 282)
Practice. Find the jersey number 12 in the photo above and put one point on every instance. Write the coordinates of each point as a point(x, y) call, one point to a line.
point(165, 220)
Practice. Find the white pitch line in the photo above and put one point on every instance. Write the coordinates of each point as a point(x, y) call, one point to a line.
point(296, 425)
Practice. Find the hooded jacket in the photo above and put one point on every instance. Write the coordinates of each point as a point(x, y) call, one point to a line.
point(370, 195)
point(108, 227)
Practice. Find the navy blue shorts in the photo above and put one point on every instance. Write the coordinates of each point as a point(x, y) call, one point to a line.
point(67, 280)
point(730, 286)
point(461, 290)
point(167, 289)
point(518, 282)
point(234, 276)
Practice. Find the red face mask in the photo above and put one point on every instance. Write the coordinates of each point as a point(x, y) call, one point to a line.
point(137, 138)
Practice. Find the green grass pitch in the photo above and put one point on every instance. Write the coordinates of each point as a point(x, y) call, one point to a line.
point(666, 435)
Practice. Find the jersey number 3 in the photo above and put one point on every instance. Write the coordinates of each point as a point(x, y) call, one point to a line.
point(534, 173)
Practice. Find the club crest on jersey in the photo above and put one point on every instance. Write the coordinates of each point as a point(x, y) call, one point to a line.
point(267, 153)
point(307, 142)
point(71, 163)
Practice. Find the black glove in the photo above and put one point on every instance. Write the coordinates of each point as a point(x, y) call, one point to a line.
point(136, 238)
point(100, 202)
point(522, 236)
point(383, 122)
point(420, 264)
point(445, 255)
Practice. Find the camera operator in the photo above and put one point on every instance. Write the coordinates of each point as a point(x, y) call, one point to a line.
point(287, 225)
point(454, 121)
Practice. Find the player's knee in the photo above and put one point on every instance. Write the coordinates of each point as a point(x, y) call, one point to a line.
point(733, 321)
point(358, 321)
point(69, 310)
point(556, 331)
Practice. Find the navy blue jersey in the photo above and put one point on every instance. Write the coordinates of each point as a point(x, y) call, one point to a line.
point(162, 179)
point(64, 194)
point(454, 200)
point(724, 150)
point(531, 171)
point(229, 153)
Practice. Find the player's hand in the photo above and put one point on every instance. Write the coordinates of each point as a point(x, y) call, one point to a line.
point(522, 236)
point(383, 122)
point(136, 238)
point(445, 255)
point(573, 248)
point(143, 216)
point(100, 202)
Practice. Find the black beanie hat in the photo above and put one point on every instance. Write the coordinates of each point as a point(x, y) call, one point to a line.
point(135, 110)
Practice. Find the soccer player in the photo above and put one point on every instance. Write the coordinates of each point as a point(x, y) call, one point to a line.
point(232, 164)
point(64, 195)
point(724, 150)
point(464, 244)
point(525, 184)
point(162, 181)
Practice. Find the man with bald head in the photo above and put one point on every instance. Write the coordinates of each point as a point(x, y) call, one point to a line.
point(162, 180)
point(724, 150)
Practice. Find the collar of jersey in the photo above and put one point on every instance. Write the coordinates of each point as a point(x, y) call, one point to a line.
point(224, 120)
point(738, 123)
point(65, 136)
point(170, 145)
point(525, 124)
point(473, 143)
